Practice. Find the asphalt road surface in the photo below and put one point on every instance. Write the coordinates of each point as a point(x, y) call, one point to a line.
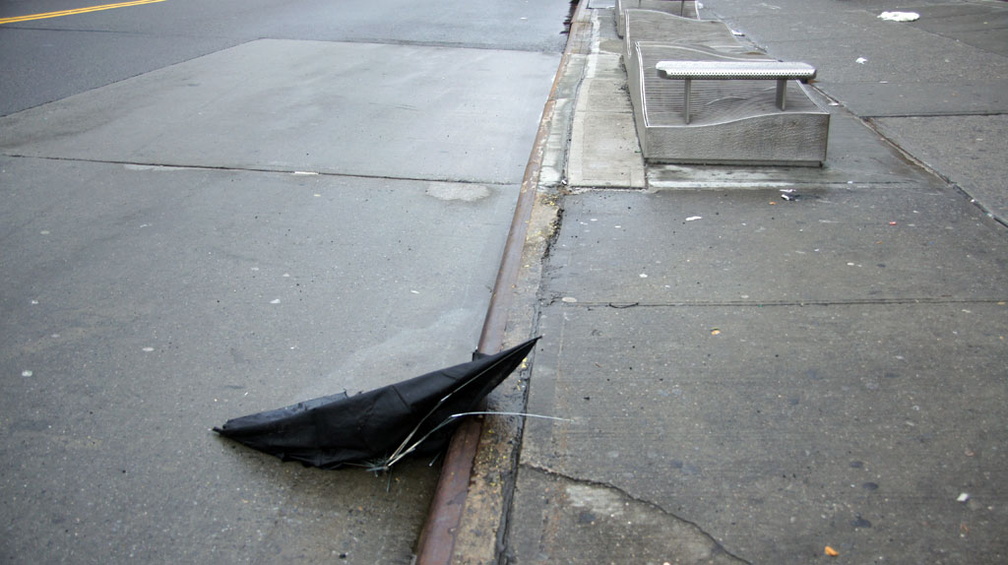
point(51, 58)
point(217, 208)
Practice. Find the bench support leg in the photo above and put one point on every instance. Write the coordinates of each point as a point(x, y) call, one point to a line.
point(686, 99)
point(782, 94)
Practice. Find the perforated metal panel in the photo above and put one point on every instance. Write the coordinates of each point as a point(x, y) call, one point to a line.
point(731, 121)
point(735, 70)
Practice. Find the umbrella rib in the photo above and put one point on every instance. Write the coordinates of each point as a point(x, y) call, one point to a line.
point(392, 460)
point(404, 447)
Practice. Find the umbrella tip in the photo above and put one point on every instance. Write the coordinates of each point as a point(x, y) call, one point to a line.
point(477, 354)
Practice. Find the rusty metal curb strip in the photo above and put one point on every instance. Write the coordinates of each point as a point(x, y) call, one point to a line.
point(436, 545)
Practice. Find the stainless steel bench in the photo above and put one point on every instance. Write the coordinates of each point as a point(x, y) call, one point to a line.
point(663, 6)
point(689, 71)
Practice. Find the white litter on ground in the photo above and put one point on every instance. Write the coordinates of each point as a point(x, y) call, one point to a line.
point(899, 16)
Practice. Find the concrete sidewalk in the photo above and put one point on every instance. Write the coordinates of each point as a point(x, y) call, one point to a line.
point(752, 379)
point(270, 223)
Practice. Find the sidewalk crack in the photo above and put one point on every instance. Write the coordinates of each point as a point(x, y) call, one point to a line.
point(581, 511)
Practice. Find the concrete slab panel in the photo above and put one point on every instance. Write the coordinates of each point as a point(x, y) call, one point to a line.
point(980, 24)
point(954, 145)
point(898, 98)
point(470, 114)
point(695, 247)
point(891, 60)
point(604, 151)
point(143, 305)
point(804, 7)
point(778, 431)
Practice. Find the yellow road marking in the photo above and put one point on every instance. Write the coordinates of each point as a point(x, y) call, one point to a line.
point(75, 11)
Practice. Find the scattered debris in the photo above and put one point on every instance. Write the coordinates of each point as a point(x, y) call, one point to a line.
point(964, 497)
point(831, 552)
point(715, 331)
point(694, 218)
point(899, 16)
point(860, 60)
point(860, 522)
point(789, 194)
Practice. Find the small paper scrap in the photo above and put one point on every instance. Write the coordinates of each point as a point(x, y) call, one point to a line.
point(963, 497)
point(899, 16)
point(694, 218)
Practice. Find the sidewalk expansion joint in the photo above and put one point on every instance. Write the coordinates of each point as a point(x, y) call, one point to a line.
point(142, 166)
point(683, 528)
point(552, 300)
point(869, 117)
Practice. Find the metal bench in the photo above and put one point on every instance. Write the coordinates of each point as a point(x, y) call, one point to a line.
point(663, 6)
point(682, 6)
point(689, 71)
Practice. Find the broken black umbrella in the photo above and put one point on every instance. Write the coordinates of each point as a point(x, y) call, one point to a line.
point(377, 428)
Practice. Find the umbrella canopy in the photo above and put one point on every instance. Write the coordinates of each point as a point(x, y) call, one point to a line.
point(379, 427)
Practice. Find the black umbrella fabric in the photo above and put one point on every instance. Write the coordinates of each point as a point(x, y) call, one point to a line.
point(377, 428)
